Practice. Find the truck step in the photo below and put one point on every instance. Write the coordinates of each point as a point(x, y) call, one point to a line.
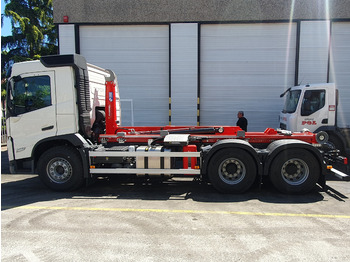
point(340, 174)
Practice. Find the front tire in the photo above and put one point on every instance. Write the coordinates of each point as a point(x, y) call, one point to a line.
point(60, 168)
point(232, 171)
point(295, 171)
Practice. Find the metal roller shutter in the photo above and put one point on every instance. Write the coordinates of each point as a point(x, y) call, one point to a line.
point(66, 39)
point(139, 55)
point(340, 69)
point(184, 73)
point(314, 52)
point(245, 67)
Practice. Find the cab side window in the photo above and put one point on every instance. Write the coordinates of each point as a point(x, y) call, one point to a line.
point(313, 101)
point(31, 93)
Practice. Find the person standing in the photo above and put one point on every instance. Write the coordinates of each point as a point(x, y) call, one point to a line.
point(242, 121)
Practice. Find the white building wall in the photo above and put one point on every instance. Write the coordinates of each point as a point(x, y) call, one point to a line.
point(66, 39)
point(242, 67)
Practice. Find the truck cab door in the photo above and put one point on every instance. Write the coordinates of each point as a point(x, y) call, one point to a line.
point(313, 110)
point(31, 112)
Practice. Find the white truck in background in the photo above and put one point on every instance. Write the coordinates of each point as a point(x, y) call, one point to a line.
point(315, 107)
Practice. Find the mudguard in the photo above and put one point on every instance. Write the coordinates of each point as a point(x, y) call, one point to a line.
point(231, 143)
point(75, 140)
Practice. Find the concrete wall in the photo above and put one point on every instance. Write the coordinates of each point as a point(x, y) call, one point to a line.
point(160, 11)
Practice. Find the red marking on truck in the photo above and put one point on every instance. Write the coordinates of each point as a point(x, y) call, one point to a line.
point(309, 123)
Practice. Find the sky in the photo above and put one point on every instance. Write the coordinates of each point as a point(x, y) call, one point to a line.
point(6, 29)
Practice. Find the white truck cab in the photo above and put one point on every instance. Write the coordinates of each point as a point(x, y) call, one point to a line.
point(309, 106)
point(54, 97)
point(314, 107)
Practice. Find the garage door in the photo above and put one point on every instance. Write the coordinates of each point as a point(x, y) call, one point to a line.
point(313, 51)
point(245, 67)
point(340, 69)
point(139, 55)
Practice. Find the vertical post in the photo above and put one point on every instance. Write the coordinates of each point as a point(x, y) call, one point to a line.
point(110, 104)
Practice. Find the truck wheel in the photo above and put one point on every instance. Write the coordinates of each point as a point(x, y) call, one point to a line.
point(60, 169)
point(232, 171)
point(294, 171)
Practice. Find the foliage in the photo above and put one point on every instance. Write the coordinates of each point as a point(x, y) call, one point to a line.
point(33, 33)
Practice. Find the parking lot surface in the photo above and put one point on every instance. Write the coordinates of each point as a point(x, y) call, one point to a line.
point(180, 220)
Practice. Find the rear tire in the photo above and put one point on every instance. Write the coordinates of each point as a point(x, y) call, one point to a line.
point(232, 171)
point(60, 169)
point(295, 171)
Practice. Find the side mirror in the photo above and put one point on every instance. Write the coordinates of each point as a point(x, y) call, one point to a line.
point(9, 98)
point(10, 91)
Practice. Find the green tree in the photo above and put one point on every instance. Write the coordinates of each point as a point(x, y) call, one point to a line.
point(33, 32)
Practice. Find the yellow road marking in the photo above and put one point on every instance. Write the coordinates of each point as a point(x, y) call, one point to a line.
point(151, 210)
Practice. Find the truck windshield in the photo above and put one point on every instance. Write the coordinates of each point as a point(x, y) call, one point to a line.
point(291, 101)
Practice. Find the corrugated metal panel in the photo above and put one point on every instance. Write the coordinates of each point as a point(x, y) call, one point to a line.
point(184, 73)
point(340, 69)
point(66, 39)
point(314, 51)
point(245, 67)
point(139, 55)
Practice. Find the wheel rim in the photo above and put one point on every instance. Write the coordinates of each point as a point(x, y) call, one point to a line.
point(59, 170)
point(232, 171)
point(295, 171)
